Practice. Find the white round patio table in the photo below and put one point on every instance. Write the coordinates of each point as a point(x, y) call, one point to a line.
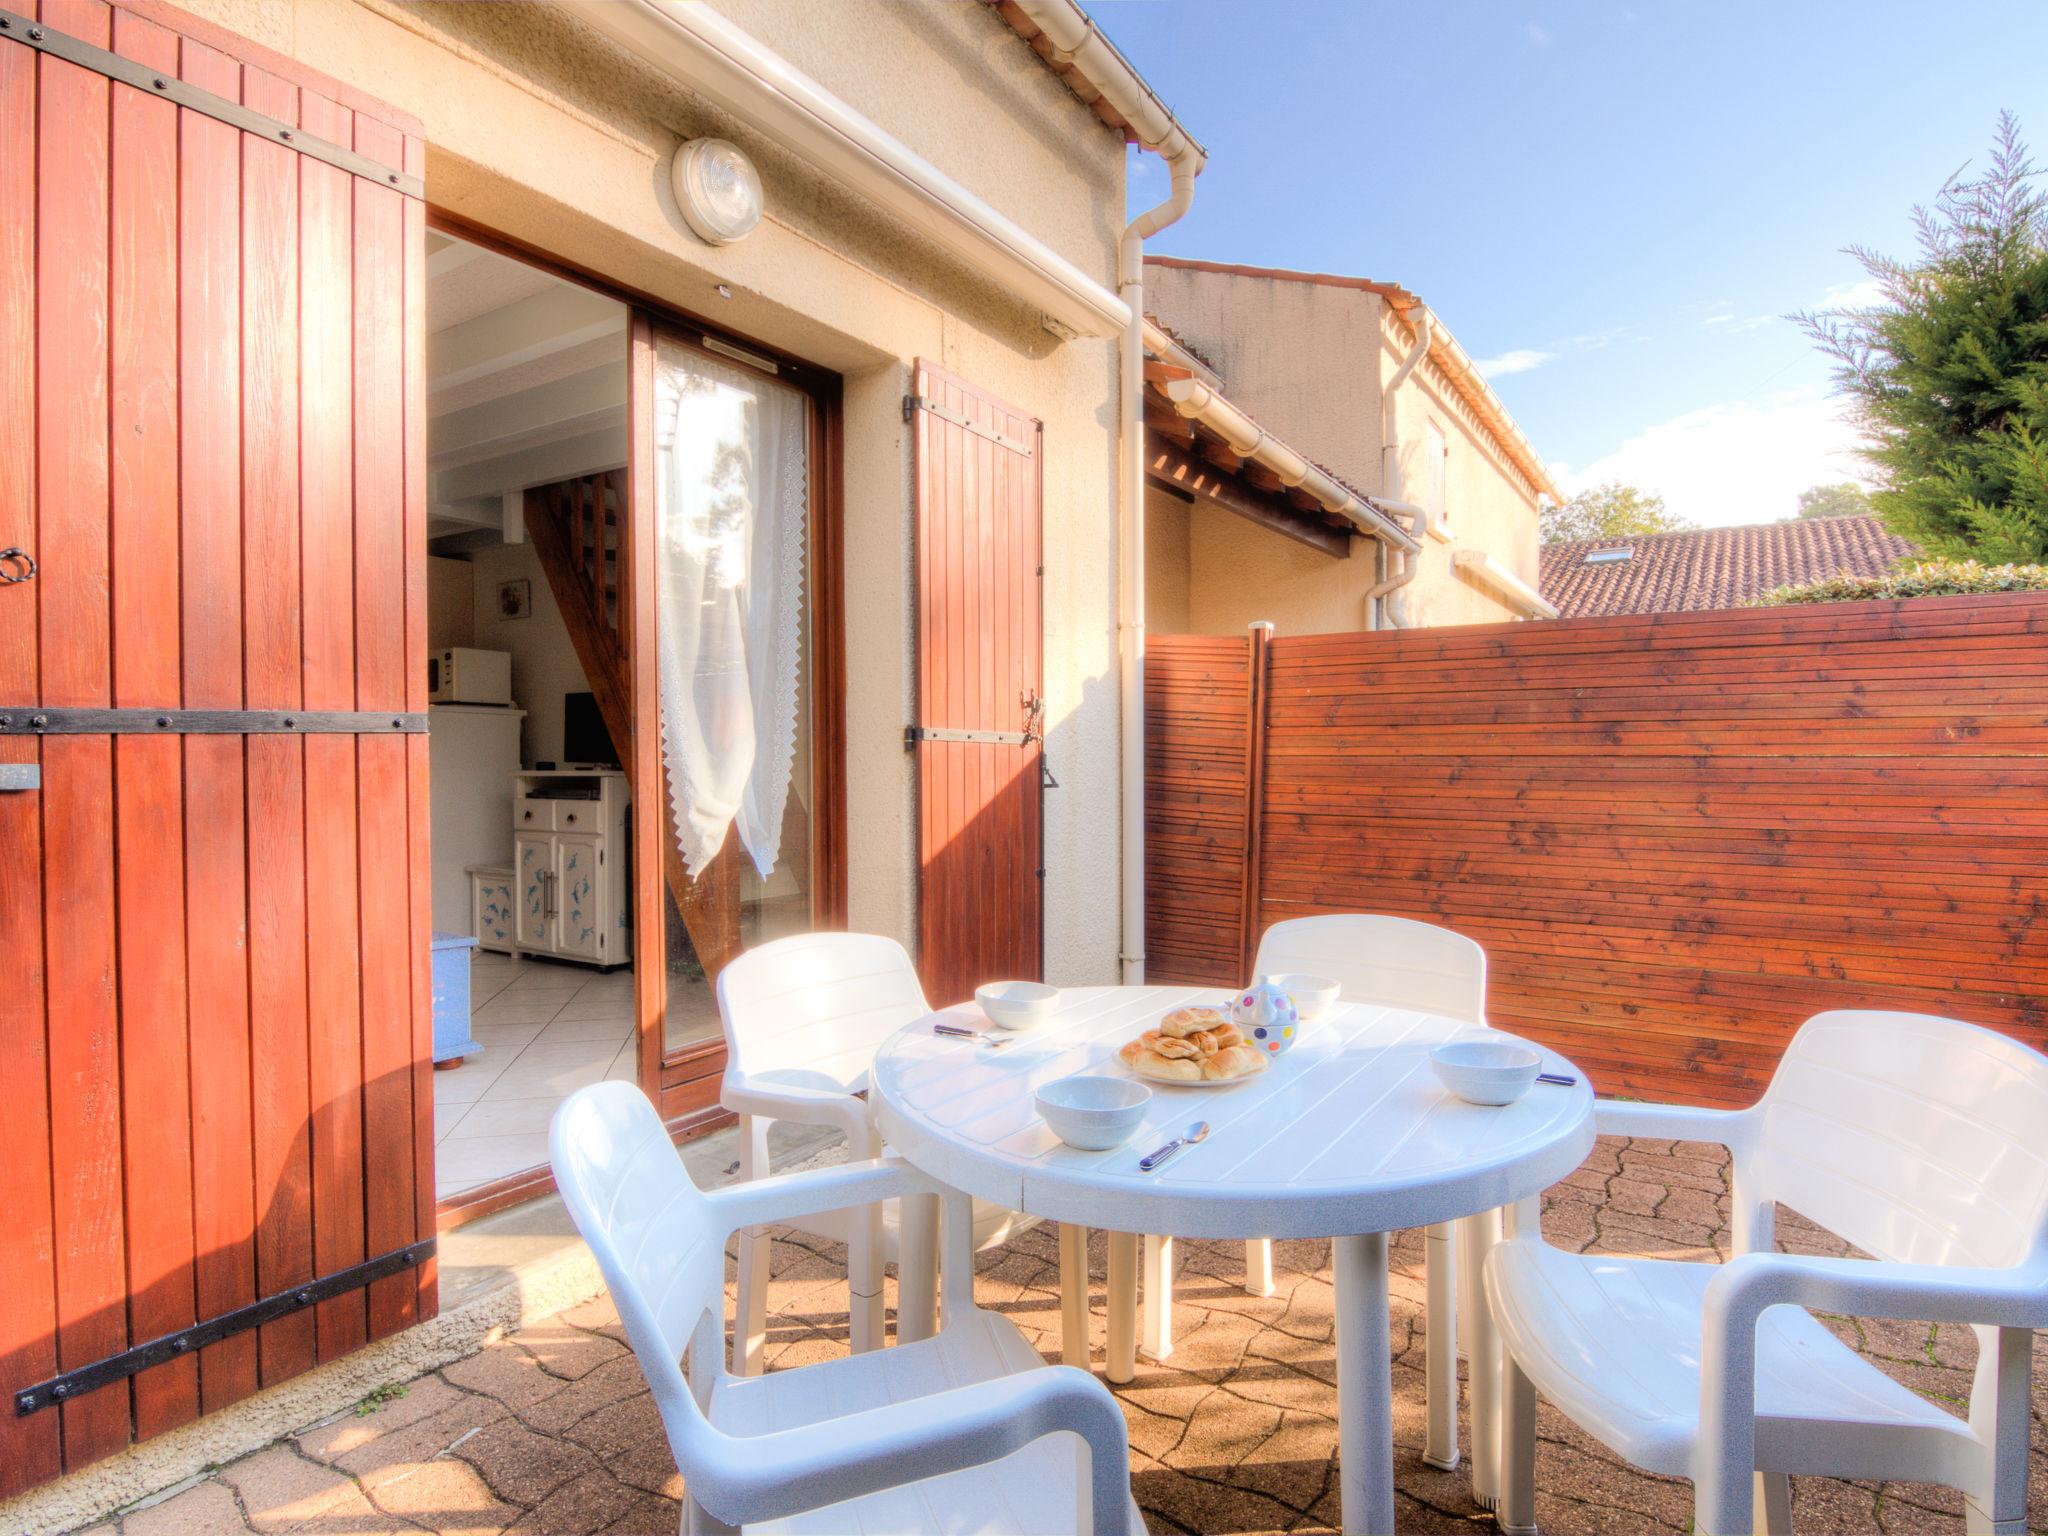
point(1347, 1136)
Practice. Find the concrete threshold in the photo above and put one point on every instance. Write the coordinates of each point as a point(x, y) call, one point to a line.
point(497, 1275)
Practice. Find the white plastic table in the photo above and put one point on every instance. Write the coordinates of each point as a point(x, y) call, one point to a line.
point(1348, 1136)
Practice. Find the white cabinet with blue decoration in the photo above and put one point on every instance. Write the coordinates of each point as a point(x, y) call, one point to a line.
point(490, 907)
point(569, 893)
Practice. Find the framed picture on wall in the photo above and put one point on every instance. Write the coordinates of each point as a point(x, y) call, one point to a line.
point(515, 598)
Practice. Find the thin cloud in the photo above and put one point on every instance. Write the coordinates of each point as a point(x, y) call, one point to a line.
point(1520, 360)
point(1735, 462)
point(1861, 294)
point(1537, 34)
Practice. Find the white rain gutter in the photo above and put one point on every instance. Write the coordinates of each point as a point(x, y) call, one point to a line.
point(693, 44)
point(1409, 564)
point(1483, 568)
point(1076, 40)
point(1248, 440)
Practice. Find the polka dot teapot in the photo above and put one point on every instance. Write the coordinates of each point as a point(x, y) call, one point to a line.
point(1267, 1017)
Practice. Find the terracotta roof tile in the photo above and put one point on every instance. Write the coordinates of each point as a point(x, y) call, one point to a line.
point(1715, 567)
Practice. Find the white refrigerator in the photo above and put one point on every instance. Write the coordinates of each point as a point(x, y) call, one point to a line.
point(472, 753)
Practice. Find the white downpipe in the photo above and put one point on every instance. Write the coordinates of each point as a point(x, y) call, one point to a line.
point(1131, 556)
point(693, 44)
point(1409, 564)
point(1076, 40)
point(1248, 440)
point(1483, 568)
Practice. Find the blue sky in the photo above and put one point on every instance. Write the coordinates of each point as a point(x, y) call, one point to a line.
point(1623, 199)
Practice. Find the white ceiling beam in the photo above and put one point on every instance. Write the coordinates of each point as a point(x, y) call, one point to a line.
point(521, 411)
point(542, 465)
point(533, 328)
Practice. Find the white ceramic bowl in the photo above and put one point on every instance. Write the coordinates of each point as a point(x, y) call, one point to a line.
point(1313, 996)
point(1096, 1114)
point(1496, 1071)
point(1017, 1004)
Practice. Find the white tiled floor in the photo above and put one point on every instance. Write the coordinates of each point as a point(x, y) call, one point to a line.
point(546, 1030)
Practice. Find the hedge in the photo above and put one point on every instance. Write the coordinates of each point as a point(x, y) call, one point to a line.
point(1931, 578)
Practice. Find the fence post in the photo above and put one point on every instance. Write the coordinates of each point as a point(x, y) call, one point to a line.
point(1254, 792)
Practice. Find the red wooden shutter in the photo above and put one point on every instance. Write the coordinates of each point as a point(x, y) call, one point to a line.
point(215, 1029)
point(980, 682)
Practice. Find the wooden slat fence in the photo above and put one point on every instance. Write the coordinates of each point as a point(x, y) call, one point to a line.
point(1677, 835)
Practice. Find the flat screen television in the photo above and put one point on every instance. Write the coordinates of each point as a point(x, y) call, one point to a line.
point(584, 737)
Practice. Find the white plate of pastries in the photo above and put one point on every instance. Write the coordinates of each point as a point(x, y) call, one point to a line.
point(1194, 1046)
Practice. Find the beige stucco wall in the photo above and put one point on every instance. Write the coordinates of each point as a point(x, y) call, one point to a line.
point(1309, 362)
point(542, 131)
point(1487, 505)
point(1167, 573)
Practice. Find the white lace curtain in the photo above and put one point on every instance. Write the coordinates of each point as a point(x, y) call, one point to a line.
point(732, 498)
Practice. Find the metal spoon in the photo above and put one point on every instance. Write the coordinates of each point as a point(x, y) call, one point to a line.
point(954, 1032)
point(1153, 1162)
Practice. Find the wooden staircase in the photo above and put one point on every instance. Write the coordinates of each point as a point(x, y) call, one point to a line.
point(580, 533)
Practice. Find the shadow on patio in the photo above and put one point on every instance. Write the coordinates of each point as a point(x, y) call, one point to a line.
point(551, 1430)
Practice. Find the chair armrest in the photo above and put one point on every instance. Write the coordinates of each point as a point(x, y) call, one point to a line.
point(803, 1106)
point(1731, 1128)
point(1931, 1293)
point(786, 1472)
point(785, 1197)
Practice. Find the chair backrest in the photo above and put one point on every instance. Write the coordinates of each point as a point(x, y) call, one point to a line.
point(1381, 959)
point(808, 1011)
point(1921, 1140)
point(656, 1242)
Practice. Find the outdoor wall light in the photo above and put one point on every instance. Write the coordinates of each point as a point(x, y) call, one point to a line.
point(718, 190)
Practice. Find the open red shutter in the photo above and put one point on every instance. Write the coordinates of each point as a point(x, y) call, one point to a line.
point(215, 1029)
point(980, 687)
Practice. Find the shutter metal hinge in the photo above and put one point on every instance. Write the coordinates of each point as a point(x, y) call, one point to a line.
point(34, 720)
point(175, 1346)
point(76, 50)
point(914, 403)
point(913, 734)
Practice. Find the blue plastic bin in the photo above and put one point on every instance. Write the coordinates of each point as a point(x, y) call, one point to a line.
point(452, 1039)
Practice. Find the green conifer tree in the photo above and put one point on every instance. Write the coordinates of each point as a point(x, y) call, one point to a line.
point(1949, 370)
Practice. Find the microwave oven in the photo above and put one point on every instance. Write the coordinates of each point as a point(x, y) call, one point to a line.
point(464, 676)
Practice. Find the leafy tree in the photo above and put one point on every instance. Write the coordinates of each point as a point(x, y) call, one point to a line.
point(1843, 499)
point(1610, 511)
point(1949, 371)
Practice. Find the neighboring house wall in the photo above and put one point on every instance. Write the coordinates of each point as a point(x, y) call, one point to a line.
point(539, 131)
point(1486, 502)
point(1168, 522)
point(1309, 360)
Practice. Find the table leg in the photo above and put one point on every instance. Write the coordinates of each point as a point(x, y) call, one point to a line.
point(1477, 1236)
point(866, 1328)
point(1074, 1295)
point(1365, 1386)
point(1440, 1342)
point(917, 1269)
point(1121, 1363)
point(1156, 1318)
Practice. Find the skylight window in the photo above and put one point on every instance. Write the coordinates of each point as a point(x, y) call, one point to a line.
point(1608, 556)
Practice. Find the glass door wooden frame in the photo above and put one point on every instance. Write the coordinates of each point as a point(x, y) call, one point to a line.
point(684, 1082)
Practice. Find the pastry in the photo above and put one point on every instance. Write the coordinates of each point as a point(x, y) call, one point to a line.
point(1142, 1059)
point(1232, 1061)
point(1218, 1038)
point(1185, 1021)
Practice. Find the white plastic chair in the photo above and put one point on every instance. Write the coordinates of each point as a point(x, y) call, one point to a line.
point(1403, 964)
point(967, 1430)
point(1919, 1140)
point(803, 1017)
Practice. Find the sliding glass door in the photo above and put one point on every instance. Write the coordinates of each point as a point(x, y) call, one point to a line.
point(734, 471)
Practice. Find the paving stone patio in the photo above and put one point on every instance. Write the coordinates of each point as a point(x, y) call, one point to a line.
point(552, 1430)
